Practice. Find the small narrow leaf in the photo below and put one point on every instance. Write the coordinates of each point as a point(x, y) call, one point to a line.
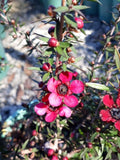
point(70, 20)
point(97, 86)
point(64, 44)
point(59, 50)
point(48, 52)
point(95, 1)
point(46, 76)
point(80, 7)
point(25, 144)
point(61, 9)
point(34, 68)
point(117, 59)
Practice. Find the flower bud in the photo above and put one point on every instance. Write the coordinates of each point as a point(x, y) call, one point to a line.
point(50, 11)
point(53, 42)
point(89, 145)
point(34, 133)
point(46, 67)
point(51, 31)
point(79, 22)
point(50, 152)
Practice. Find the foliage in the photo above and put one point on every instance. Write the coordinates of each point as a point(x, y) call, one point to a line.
point(72, 128)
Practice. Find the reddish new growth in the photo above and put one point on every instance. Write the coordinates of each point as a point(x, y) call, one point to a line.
point(112, 114)
point(60, 97)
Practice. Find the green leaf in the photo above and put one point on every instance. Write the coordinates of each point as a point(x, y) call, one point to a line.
point(80, 7)
point(117, 59)
point(45, 76)
point(25, 144)
point(59, 50)
point(64, 44)
point(61, 9)
point(83, 31)
point(70, 20)
point(44, 39)
point(34, 68)
point(95, 1)
point(50, 60)
point(48, 52)
point(94, 136)
point(64, 67)
point(97, 86)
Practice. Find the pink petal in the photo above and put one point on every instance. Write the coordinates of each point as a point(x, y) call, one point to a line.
point(117, 125)
point(71, 101)
point(77, 86)
point(65, 76)
point(105, 115)
point(108, 100)
point(50, 117)
point(55, 100)
point(65, 111)
point(40, 109)
point(52, 84)
point(118, 102)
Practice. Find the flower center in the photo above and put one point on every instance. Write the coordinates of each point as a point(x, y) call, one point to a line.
point(62, 89)
point(53, 109)
point(115, 113)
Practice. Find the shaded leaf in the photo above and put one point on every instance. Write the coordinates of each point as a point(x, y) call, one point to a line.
point(70, 20)
point(61, 9)
point(95, 1)
point(25, 144)
point(117, 59)
point(80, 7)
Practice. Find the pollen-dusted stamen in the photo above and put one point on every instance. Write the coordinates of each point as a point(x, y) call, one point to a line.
point(115, 113)
point(62, 89)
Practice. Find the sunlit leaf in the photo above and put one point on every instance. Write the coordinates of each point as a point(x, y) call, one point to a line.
point(97, 86)
point(45, 76)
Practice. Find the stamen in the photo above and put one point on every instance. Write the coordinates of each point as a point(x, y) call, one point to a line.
point(115, 113)
point(62, 89)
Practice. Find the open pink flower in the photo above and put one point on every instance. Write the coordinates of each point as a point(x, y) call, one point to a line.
point(51, 112)
point(62, 90)
point(112, 114)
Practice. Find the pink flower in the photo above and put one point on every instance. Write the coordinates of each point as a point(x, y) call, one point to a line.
point(112, 114)
point(51, 112)
point(62, 90)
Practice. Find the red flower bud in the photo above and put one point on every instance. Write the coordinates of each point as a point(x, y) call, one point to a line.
point(50, 152)
point(89, 145)
point(53, 42)
point(79, 22)
point(46, 67)
point(34, 133)
point(72, 134)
